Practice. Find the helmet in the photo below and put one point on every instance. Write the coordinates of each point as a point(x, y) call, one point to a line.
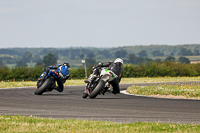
point(118, 60)
point(66, 64)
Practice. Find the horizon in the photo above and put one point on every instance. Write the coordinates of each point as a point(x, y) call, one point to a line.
point(105, 47)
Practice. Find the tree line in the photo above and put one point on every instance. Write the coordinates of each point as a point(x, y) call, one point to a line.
point(14, 55)
point(151, 69)
point(52, 59)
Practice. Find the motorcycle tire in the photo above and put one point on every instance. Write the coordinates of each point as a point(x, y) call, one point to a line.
point(45, 85)
point(98, 89)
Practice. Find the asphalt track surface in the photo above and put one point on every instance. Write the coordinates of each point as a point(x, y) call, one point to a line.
point(119, 108)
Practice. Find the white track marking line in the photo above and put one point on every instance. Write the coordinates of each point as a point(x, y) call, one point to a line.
point(126, 93)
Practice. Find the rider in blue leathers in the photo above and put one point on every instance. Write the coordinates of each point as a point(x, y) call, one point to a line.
point(64, 74)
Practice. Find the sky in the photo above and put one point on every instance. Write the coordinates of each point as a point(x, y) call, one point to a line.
point(98, 23)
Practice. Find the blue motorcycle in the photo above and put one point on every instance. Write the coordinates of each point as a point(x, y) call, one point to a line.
point(47, 80)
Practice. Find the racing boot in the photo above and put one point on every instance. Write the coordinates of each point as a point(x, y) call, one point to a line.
point(58, 89)
point(114, 91)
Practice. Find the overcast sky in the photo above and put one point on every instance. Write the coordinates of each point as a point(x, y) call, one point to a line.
point(98, 23)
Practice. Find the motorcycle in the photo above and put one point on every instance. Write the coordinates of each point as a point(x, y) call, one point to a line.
point(47, 80)
point(97, 85)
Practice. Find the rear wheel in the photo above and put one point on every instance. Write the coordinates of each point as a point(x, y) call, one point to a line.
point(43, 87)
point(97, 89)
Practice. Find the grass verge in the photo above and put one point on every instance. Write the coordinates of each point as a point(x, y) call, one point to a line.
point(81, 81)
point(188, 90)
point(32, 124)
point(179, 91)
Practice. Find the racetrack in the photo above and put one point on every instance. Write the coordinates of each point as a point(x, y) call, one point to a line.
point(108, 107)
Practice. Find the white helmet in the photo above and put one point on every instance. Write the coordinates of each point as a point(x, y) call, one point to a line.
point(118, 60)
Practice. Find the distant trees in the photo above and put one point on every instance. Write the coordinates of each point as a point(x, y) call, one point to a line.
point(157, 53)
point(189, 52)
point(1, 63)
point(91, 55)
point(10, 52)
point(158, 60)
point(49, 59)
point(21, 63)
point(12, 55)
point(8, 60)
point(73, 53)
point(170, 58)
point(196, 52)
point(52, 51)
point(39, 64)
point(36, 58)
point(90, 62)
point(132, 58)
point(27, 57)
point(81, 56)
point(120, 53)
point(64, 52)
point(142, 53)
point(185, 52)
point(184, 60)
point(148, 60)
point(139, 60)
point(105, 52)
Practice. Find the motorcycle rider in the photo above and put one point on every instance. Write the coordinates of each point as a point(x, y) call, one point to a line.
point(117, 68)
point(61, 80)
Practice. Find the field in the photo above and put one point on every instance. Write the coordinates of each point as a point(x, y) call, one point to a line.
point(13, 124)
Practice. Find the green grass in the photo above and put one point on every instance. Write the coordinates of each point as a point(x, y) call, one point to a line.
point(189, 90)
point(32, 124)
point(81, 81)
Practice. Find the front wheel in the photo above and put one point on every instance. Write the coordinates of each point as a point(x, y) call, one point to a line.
point(45, 85)
point(98, 89)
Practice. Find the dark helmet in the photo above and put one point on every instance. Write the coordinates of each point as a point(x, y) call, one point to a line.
point(66, 64)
